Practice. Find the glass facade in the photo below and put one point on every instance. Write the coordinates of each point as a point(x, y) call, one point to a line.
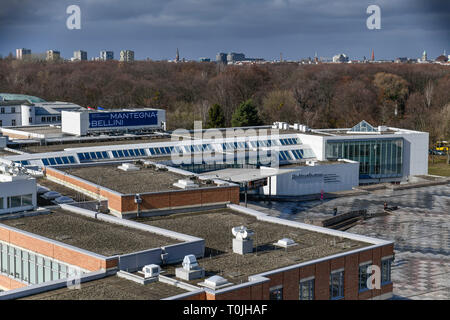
point(378, 158)
point(33, 268)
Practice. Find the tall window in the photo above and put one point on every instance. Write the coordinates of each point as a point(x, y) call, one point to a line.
point(2, 110)
point(276, 293)
point(1, 203)
point(363, 276)
point(13, 110)
point(13, 122)
point(32, 268)
point(337, 285)
point(386, 266)
point(307, 290)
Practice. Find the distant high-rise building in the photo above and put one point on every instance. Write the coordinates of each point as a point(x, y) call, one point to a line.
point(233, 57)
point(53, 55)
point(80, 55)
point(340, 58)
point(221, 58)
point(177, 57)
point(127, 55)
point(22, 53)
point(106, 55)
point(373, 55)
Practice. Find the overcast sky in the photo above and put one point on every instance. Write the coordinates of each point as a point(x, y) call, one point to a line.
point(201, 28)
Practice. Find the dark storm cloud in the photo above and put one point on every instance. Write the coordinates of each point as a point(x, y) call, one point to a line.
point(220, 21)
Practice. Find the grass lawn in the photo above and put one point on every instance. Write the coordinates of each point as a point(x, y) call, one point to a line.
point(440, 166)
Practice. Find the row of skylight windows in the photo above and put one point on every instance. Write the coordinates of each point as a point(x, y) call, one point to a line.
point(58, 160)
point(93, 155)
point(234, 145)
point(263, 143)
point(289, 141)
point(87, 156)
point(161, 150)
point(298, 154)
point(284, 155)
point(129, 153)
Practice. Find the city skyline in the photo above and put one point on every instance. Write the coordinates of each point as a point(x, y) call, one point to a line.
point(294, 28)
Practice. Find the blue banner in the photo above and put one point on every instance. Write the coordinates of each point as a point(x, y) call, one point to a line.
point(123, 119)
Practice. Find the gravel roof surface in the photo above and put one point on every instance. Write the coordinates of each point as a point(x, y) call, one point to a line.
point(112, 288)
point(144, 180)
point(215, 227)
point(93, 235)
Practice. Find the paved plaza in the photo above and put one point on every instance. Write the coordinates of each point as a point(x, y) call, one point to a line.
point(420, 229)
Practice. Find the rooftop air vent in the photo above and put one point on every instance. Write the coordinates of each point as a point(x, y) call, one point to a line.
point(215, 282)
point(242, 233)
point(243, 242)
point(285, 243)
point(185, 184)
point(151, 270)
point(190, 270)
point(128, 167)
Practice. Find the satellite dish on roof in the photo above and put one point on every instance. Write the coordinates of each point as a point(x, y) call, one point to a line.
point(242, 233)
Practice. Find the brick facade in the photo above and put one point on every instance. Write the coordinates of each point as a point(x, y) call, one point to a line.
point(7, 283)
point(290, 279)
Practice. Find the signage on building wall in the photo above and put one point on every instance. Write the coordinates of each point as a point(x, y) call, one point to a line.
point(308, 178)
point(123, 119)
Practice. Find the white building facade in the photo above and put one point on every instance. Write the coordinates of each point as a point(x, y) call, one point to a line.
point(28, 111)
point(81, 123)
point(17, 191)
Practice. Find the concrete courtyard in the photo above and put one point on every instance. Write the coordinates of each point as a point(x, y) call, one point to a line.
point(420, 229)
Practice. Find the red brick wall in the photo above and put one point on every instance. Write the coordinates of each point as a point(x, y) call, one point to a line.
point(10, 284)
point(199, 296)
point(55, 251)
point(321, 271)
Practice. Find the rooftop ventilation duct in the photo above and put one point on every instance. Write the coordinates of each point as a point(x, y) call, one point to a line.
point(151, 270)
point(190, 270)
point(242, 233)
point(243, 242)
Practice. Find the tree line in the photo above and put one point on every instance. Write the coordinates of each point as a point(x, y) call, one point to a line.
point(412, 96)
